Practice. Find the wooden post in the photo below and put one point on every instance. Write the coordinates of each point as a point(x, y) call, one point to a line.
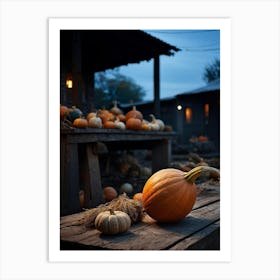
point(161, 155)
point(95, 187)
point(76, 69)
point(156, 87)
point(91, 104)
point(69, 182)
point(89, 95)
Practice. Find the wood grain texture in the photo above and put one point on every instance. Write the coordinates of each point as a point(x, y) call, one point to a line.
point(198, 231)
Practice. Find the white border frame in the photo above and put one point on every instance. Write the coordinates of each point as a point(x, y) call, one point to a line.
point(55, 25)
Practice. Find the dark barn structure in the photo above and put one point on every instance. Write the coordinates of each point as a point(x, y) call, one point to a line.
point(86, 52)
point(82, 54)
point(191, 114)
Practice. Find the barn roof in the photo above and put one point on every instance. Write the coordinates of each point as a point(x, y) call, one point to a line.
point(107, 49)
point(212, 86)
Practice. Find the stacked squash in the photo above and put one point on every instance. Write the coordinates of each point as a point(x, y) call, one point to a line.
point(113, 118)
point(73, 115)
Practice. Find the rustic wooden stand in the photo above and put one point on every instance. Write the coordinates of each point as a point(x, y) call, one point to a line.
point(200, 230)
point(70, 139)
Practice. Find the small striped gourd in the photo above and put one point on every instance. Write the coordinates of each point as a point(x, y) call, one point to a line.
point(112, 222)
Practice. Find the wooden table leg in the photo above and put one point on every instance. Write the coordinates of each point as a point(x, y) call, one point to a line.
point(161, 156)
point(69, 183)
point(93, 187)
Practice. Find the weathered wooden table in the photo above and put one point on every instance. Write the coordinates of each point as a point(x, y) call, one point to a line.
point(70, 160)
point(200, 230)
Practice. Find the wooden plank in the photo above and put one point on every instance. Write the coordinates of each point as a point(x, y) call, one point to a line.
point(70, 183)
point(161, 155)
point(203, 199)
point(150, 236)
point(77, 135)
point(72, 231)
point(111, 137)
point(81, 131)
point(95, 187)
point(76, 70)
point(207, 195)
point(71, 219)
point(156, 86)
point(205, 239)
point(63, 185)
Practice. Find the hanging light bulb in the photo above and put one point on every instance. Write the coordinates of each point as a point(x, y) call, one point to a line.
point(69, 82)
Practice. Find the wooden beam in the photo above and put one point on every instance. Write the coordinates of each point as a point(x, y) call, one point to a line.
point(156, 87)
point(95, 188)
point(69, 179)
point(89, 92)
point(76, 69)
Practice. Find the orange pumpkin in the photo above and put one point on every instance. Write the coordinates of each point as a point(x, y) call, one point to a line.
point(63, 111)
point(109, 124)
point(133, 123)
point(169, 194)
point(80, 123)
point(105, 115)
point(82, 198)
point(109, 193)
point(91, 115)
point(202, 138)
point(121, 117)
point(134, 114)
point(137, 196)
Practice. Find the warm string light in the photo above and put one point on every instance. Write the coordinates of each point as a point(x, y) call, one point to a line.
point(206, 110)
point(188, 113)
point(69, 82)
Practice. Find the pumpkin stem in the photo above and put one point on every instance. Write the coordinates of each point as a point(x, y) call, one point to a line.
point(112, 211)
point(198, 171)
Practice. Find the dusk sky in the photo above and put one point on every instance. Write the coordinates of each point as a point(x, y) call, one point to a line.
point(183, 71)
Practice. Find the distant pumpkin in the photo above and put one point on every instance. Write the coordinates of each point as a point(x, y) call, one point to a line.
point(134, 114)
point(127, 188)
point(138, 197)
point(73, 114)
point(109, 124)
point(106, 115)
point(91, 115)
point(133, 123)
point(80, 123)
point(115, 109)
point(109, 193)
point(95, 122)
point(63, 111)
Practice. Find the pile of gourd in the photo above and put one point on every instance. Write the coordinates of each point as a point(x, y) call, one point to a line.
point(113, 118)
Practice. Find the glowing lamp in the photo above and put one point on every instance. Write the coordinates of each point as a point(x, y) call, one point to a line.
point(69, 83)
